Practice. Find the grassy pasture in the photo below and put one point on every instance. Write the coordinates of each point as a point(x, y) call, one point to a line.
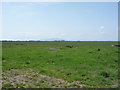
point(51, 64)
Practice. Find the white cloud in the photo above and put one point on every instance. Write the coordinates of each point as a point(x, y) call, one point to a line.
point(102, 29)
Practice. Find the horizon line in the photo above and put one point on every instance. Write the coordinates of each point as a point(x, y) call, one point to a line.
point(59, 40)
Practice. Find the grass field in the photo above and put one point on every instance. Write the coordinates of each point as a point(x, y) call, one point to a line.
point(52, 64)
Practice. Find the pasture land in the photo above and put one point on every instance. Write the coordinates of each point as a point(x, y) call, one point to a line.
point(52, 64)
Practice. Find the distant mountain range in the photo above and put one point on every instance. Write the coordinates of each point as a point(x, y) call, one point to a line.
point(48, 39)
point(54, 39)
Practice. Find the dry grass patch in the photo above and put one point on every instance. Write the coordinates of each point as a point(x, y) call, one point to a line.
point(20, 78)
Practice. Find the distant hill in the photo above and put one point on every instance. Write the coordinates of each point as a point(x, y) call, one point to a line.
point(54, 39)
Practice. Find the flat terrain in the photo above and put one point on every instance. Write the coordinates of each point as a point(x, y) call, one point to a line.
point(56, 64)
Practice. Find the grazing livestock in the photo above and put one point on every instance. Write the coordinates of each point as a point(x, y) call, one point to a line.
point(116, 45)
point(70, 46)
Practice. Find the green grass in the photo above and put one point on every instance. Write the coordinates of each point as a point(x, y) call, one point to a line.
point(84, 62)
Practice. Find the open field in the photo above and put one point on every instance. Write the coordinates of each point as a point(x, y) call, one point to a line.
point(53, 64)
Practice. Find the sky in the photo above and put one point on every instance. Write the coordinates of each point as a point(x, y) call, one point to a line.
point(75, 21)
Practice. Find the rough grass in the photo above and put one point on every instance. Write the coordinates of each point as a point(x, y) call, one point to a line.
point(87, 64)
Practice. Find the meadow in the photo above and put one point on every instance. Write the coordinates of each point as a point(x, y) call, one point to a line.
point(51, 64)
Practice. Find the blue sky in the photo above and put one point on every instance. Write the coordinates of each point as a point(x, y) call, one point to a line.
point(94, 21)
